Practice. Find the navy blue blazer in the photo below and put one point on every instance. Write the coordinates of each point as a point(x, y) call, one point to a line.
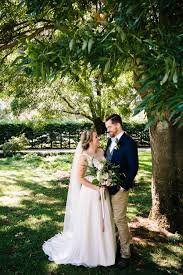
point(126, 155)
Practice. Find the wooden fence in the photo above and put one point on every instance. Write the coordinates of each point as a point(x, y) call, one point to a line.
point(69, 140)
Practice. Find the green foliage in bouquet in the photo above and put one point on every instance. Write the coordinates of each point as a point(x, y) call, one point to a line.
point(104, 173)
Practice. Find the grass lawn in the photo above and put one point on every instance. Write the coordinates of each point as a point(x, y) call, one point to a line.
point(33, 191)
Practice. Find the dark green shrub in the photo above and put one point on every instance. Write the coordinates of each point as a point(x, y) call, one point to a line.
point(61, 134)
point(15, 144)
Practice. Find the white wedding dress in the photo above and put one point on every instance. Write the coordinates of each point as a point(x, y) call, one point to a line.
point(83, 241)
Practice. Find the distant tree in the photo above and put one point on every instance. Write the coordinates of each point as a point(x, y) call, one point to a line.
point(85, 97)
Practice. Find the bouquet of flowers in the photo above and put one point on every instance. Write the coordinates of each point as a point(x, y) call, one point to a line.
point(105, 173)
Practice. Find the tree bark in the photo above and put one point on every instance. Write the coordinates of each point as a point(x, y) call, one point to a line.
point(99, 125)
point(167, 182)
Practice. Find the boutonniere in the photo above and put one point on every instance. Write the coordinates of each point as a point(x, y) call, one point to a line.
point(117, 144)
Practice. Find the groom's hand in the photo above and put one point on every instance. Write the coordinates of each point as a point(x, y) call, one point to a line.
point(113, 189)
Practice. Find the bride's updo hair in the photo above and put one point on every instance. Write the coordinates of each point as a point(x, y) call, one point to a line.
point(86, 138)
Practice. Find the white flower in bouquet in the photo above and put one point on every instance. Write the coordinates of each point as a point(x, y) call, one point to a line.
point(103, 176)
point(105, 173)
point(98, 164)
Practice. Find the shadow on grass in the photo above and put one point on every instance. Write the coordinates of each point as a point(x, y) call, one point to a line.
point(22, 249)
point(22, 254)
point(53, 191)
point(40, 215)
point(25, 228)
point(150, 248)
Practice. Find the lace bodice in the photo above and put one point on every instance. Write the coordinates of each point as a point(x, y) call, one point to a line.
point(92, 159)
point(88, 158)
point(91, 162)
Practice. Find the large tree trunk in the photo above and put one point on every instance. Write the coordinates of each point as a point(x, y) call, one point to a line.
point(99, 125)
point(167, 182)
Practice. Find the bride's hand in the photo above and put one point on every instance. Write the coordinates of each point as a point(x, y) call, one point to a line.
point(97, 188)
point(102, 188)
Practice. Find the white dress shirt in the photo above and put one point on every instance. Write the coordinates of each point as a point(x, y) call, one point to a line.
point(113, 144)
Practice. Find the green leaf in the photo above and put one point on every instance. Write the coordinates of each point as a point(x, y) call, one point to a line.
point(90, 44)
point(165, 78)
point(175, 78)
point(71, 44)
point(119, 48)
point(95, 182)
point(43, 71)
point(107, 66)
point(173, 68)
point(113, 30)
point(137, 38)
point(150, 122)
point(84, 45)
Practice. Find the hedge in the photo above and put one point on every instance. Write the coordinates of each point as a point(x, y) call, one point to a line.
point(60, 134)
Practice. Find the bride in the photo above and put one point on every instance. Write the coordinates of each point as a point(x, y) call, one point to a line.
point(88, 237)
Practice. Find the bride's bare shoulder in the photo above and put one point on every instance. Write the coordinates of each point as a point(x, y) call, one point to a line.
point(83, 159)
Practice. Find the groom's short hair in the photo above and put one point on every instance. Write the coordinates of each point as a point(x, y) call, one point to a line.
point(114, 119)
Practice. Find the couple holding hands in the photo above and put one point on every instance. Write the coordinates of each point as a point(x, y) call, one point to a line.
point(95, 216)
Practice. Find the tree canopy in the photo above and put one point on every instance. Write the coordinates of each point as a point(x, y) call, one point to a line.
point(111, 36)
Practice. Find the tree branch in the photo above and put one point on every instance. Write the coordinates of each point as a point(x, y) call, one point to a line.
point(78, 113)
point(72, 108)
point(24, 36)
point(68, 103)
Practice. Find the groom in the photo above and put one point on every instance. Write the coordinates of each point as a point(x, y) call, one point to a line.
point(121, 150)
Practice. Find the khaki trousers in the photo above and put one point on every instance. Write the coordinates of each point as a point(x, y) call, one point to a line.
point(119, 205)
